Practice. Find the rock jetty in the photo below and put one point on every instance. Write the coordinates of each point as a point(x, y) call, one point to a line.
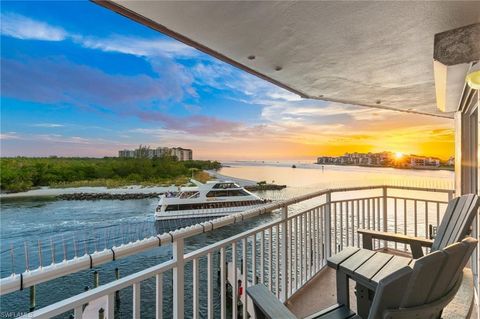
point(130, 196)
point(100, 196)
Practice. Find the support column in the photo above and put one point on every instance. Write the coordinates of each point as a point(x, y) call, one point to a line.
point(284, 261)
point(466, 151)
point(178, 279)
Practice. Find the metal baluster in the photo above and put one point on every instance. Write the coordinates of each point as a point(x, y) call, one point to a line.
point(290, 257)
point(341, 225)
point(352, 220)
point(78, 313)
point(244, 278)
point(262, 257)
point(234, 284)
point(270, 263)
point(335, 226)
point(321, 237)
point(304, 248)
point(110, 306)
point(297, 243)
point(426, 219)
point(223, 291)
point(210, 285)
point(136, 301)
point(254, 259)
point(347, 232)
point(27, 259)
point(12, 256)
point(415, 218)
point(40, 257)
point(315, 240)
point(368, 213)
point(277, 259)
point(395, 217)
point(438, 213)
point(159, 296)
point(358, 220)
point(308, 247)
point(405, 221)
point(195, 287)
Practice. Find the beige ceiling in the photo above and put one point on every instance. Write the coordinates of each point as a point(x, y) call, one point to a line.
point(365, 53)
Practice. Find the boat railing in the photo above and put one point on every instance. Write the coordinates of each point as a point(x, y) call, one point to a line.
point(283, 254)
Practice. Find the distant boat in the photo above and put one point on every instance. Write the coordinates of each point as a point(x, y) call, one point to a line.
point(213, 199)
point(293, 166)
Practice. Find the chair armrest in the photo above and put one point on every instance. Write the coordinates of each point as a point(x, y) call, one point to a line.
point(416, 243)
point(266, 305)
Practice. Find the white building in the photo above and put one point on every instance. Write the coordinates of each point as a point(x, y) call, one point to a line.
point(182, 154)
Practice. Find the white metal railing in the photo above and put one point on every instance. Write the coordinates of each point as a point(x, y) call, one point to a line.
point(283, 254)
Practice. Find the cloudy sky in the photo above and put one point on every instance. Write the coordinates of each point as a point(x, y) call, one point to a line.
point(80, 80)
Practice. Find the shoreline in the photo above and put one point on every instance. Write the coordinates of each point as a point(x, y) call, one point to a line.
point(121, 193)
point(442, 168)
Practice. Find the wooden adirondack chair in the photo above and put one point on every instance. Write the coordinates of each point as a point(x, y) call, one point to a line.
point(419, 292)
point(454, 227)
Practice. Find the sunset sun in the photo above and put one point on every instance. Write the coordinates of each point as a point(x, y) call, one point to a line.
point(398, 155)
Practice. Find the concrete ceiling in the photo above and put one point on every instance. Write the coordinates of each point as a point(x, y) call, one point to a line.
point(376, 54)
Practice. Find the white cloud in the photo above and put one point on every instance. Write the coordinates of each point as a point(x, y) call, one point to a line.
point(137, 46)
point(48, 125)
point(9, 136)
point(21, 27)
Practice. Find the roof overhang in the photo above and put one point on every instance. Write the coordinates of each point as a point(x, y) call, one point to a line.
point(375, 54)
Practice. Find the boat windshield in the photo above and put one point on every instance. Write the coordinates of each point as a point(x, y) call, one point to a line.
point(183, 195)
point(225, 185)
point(227, 193)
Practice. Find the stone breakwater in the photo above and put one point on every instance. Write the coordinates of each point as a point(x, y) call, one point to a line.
point(130, 196)
point(265, 187)
point(100, 196)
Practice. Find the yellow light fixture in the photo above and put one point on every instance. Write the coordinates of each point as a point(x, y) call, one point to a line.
point(473, 80)
point(473, 76)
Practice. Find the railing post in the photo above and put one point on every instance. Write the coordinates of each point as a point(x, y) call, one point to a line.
point(385, 212)
point(450, 195)
point(328, 225)
point(178, 279)
point(283, 255)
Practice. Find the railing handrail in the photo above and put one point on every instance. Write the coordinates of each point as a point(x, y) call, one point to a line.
point(104, 290)
point(29, 278)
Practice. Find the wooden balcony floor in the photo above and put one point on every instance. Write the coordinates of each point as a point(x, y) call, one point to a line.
point(318, 294)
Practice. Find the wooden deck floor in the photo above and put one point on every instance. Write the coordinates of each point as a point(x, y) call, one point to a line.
point(318, 294)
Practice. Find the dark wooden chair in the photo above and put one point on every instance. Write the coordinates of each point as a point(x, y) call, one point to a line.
point(454, 227)
point(421, 291)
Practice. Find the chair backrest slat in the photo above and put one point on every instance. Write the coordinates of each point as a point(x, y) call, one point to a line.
point(457, 258)
point(458, 217)
point(418, 292)
point(425, 272)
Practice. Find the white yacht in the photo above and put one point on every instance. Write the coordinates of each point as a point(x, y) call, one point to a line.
point(212, 199)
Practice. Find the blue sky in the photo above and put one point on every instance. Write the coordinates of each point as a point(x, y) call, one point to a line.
point(80, 80)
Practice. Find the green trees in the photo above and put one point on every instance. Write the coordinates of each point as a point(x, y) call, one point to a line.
point(21, 173)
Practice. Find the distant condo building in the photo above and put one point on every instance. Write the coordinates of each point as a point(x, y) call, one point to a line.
point(373, 159)
point(383, 159)
point(182, 154)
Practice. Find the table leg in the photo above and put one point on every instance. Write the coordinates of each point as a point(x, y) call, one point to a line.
point(363, 300)
point(342, 289)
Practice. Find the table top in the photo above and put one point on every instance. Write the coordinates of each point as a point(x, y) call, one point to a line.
point(367, 267)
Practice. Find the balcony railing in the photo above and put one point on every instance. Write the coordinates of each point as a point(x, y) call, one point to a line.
point(283, 254)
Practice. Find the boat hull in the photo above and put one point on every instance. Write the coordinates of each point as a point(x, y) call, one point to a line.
point(201, 213)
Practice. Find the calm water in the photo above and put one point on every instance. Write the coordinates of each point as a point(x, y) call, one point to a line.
point(93, 225)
